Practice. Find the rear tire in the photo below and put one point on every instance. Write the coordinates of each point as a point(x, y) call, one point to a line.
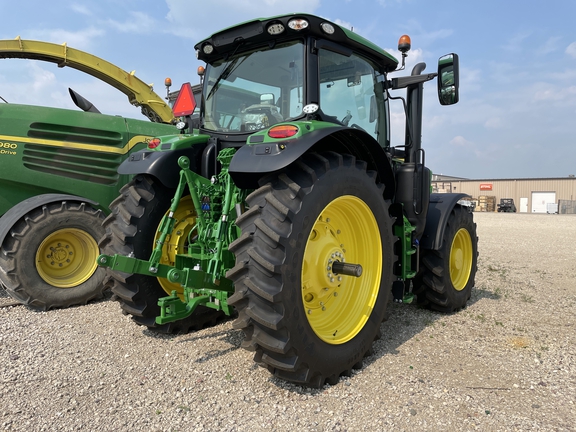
point(48, 259)
point(305, 323)
point(446, 276)
point(131, 229)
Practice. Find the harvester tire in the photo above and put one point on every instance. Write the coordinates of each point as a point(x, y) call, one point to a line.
point(306, 322)
point(48, 258)
point(446, 276)
point(131, 229)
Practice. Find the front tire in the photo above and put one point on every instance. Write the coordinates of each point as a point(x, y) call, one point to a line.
point(306, 323)
point(48, 259)
point(446, 276)
point(131, 229)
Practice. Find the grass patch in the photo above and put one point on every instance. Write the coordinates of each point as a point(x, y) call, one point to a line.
point(526, 298)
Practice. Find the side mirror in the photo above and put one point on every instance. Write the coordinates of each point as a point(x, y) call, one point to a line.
point(448, 79)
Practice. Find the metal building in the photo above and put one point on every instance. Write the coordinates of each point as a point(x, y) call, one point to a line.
point(530, 195)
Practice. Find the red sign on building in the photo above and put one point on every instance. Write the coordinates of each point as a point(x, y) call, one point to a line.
point(485, 186)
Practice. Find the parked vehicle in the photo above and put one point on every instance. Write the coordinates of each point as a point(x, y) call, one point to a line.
point(506, 205)
point(58, 170)
point(289, 204)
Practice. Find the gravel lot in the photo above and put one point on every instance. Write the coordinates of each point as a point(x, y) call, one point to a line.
point(506, 362)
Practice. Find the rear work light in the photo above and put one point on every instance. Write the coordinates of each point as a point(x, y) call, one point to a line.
point(153, 143)
point(298, 24)
point(327, 28)
point(208, 49)
point(275, 29)
point(283, 131)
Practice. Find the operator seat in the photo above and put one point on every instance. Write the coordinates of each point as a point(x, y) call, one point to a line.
point(262, 115)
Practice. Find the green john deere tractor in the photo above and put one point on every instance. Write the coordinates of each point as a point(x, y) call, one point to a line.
point(288, 205)
point(58, 171)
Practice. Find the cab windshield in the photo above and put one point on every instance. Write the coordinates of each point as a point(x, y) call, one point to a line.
point(255, 89)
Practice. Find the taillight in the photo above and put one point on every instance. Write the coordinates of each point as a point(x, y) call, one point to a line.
point(153, 143)
point(283, 131)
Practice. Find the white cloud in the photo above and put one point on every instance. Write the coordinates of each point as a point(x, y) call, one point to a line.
point(41, 77)
point(81, 9)
point(470, 79)
point(138, 22)
point(551, 45)
point(432, 37)
point(415, 56)
point(555, 93)
point(547, 94)
point(460, 141)
point(494, 123)
point(188, 21)
point(344, 24)
point(82, 39)
point(571, 50)
point(385, 3)
point(515, 42)
point(567, 76)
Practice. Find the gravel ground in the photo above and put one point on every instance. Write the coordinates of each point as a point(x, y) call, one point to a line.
point(506, 362)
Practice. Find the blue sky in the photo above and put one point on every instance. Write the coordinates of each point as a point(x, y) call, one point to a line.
point(517, 111)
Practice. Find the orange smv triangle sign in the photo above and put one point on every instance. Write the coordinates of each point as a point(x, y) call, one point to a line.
point(185, 102)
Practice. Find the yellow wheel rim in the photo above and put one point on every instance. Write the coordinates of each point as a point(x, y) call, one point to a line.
point(338, 306)
point(67, 257)
point(460, 259)
point(177, 242)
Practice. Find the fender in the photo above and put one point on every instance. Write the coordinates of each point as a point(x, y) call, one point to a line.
point(162, 162)
point(438, 212)
point(252, 161)
point(162, 165)
point(12, 216)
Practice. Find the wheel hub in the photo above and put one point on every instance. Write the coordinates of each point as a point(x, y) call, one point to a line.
point(337, 296)
point(66, 258)
point(60, 254)
point(461, 259)
point(177, 242)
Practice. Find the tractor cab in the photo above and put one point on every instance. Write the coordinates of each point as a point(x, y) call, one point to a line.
point(289, 69)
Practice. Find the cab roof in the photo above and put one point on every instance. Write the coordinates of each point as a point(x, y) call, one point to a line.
point(255, 32)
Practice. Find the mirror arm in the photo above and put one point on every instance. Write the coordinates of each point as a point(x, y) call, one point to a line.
point(405, 81)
